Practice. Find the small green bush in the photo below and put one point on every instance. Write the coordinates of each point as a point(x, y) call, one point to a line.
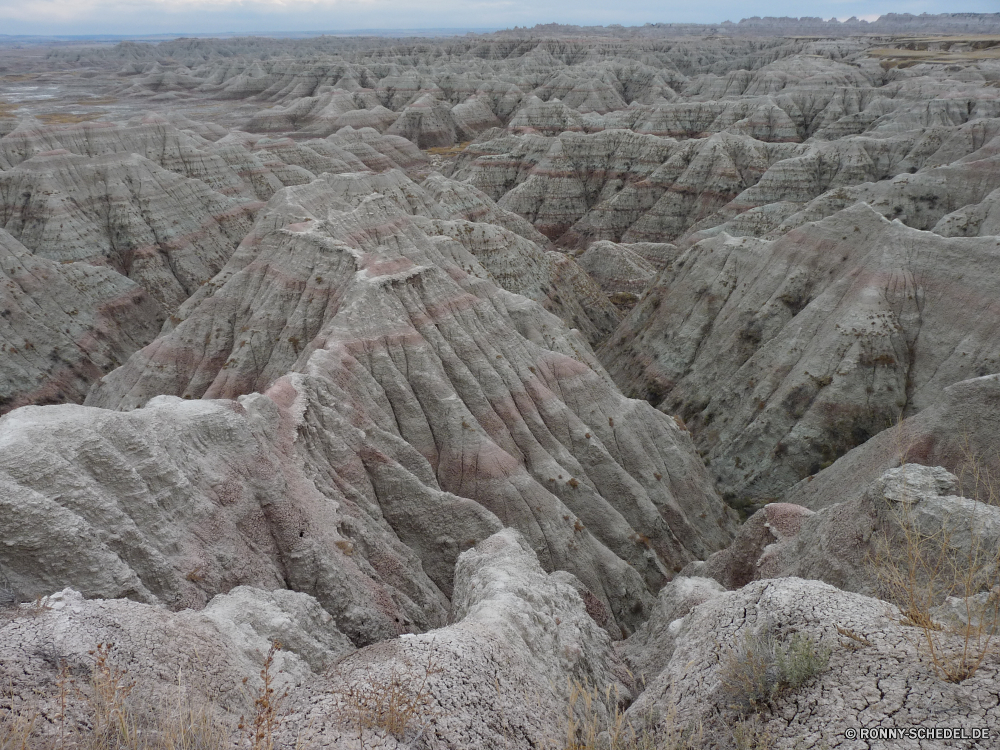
point(801, 660)
point(749, 672)
point(762, 666)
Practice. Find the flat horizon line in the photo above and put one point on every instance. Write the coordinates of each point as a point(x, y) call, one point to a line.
point(269, 34)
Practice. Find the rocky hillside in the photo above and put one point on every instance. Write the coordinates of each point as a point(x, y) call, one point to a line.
point(554, 388)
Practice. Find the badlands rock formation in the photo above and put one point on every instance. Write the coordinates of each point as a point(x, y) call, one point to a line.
point(454, 365)
point(690, 688)
point(455, 386)
point(816, 341)
point(63, 324)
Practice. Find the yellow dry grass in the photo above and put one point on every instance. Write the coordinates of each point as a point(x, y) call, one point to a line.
point(67, 118)
point(449, 150)
point(595, 720)
point(97, 101)
point(120, 720)
point(942, 50)
point(921, 568)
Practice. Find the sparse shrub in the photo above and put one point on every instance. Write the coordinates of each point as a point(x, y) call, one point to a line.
point(762, 666)
point(801, 660)
point(921, 569)
point(749, 672)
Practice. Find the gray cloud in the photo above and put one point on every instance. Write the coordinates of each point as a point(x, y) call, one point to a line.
point(201, 16)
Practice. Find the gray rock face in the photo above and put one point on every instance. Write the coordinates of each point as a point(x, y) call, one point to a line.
point(515, 632)
point(649, 649)
point(464, 201)
point(427, 122)
point(146, 203)
point(295, 620)
point(172, 659)
point(853, 543)
point(689, 692)
point(744, 560)
point(958, 431)
point(615, 184)
point(167, 233)
point(498, 676)
point(302, 258)
point(783, 355)
point(208, 502)
point(970, 221)
point(437, 393)
point(62, 325)
point(618, 269)
point(555, 280)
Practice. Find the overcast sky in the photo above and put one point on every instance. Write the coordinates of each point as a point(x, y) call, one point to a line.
point(199, 16)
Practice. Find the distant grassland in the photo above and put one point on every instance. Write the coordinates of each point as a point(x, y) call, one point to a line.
point(449, 150)
point(907, 51)
point(67, 118)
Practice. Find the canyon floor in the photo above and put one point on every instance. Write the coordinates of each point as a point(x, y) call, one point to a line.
point(554, 388)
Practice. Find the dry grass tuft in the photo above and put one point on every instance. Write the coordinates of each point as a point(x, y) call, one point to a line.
point(399, 704)
point(67, 118)
point(922, 564)
point(118, 719)
point(17, 728)
point(192, 727)
point(115, 724)
point(919, 570)
point(854, 640)
point(749, 733)
point(596, 720)
point(449, 150)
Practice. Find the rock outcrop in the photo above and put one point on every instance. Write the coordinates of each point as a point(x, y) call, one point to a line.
point(623, 271)
point(202, 665)
point(63, 325)
point(520, 638)
point(849, 544)
point(781, 356)
point(420, 390)
point(167, 233)
point(958, 431)
point(689, 693)
point(156, 212)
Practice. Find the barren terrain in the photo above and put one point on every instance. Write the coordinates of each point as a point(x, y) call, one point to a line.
point(530, 388)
